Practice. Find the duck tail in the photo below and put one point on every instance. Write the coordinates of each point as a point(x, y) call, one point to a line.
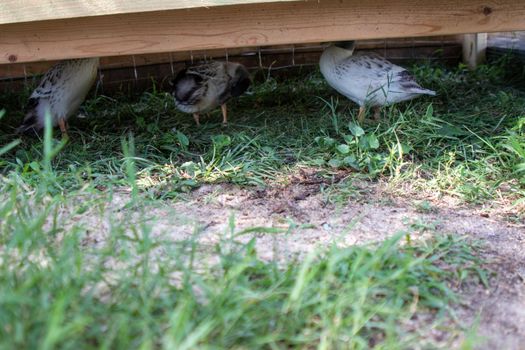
point(428, 92)
point(422, 91)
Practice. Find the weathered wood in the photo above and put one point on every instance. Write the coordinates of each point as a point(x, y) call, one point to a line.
point(119, 74)
point(407, 46)
point(253, 25)
point(511, 41)
point(474, 49)
point(16, 11)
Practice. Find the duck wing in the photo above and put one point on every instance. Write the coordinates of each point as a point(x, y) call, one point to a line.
point(61, 91)
point(198, 88)
point(209, 71)
point(378, 80)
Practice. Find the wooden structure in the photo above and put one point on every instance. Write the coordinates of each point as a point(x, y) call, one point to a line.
point(41, 30)
point(474, 48)
point(514, 41)
point(137, 72)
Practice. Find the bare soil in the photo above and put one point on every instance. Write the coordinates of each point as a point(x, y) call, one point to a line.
point(309, 219)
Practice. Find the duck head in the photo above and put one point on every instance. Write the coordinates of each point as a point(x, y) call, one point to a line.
point(240, 78)
point(346, 45)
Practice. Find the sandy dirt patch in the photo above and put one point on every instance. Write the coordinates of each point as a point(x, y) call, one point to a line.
point(308, 220)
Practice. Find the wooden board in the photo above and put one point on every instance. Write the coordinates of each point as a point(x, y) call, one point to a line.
point(405, 45)
point(119, 74)
point(253, 25)
point(511, 41)
point(16, 11)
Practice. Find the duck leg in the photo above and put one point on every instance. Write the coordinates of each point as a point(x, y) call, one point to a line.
point(63, 127)
point(361, 115)
point(224, 114)
point(196, 118)
point(377, 113)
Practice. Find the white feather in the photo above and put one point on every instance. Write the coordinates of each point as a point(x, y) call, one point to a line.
point(368, 79)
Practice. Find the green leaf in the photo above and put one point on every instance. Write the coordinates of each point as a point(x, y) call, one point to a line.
point(343, 149)
point(373, 141)
point(364, 144)
point(328, 141)
point(183, 139)
point(356, 130)
point(34, 166)
point(349, 138)
point(335, 163)
point(221, 141)
point(352, 162)
point(406, 148)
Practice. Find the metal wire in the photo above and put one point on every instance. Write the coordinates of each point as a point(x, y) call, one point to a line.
point(171, 64)
point(260, 57)
point(135, 68)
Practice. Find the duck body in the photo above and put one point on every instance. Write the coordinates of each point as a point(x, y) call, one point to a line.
point(368, 79)
point(201, 88)
point(61, 92)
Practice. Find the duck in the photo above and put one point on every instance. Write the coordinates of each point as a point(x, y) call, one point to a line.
point(367, 79)
point(201, 88)
point(61, 91)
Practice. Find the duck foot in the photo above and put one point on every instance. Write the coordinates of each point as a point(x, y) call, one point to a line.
point(224, 115)
point(196, 118)
point(63, 128)
point(361, 115)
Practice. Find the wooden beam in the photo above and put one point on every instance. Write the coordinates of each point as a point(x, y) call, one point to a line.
point(474, 49)
point(403, 48)
point(16, 11)
point(253, 25)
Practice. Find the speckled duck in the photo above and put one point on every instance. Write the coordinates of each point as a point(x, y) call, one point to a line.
point(61, 92)
point(367, 79)
point(201, 88)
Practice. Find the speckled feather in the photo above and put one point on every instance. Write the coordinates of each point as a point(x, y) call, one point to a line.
point(368, 79)
point(61, 91)
point(201, 88)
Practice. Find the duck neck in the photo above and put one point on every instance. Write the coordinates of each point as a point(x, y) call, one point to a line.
point(332, 56)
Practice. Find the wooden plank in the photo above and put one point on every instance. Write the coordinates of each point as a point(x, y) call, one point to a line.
point(16, 11)
point(253, 25)
point(511, 41)
point(275, 62)
point(24, 70)
point(474, 49)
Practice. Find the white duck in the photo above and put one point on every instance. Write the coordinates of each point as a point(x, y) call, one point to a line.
point(61, 92)
point(367, 79)
point(201, 88)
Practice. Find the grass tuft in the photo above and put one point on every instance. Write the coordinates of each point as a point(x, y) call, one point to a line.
point(466, 142)
point(136, 289)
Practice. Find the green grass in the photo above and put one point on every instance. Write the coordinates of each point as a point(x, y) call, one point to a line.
point(137, 290)
point(466, 142)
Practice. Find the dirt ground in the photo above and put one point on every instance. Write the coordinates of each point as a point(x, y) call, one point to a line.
point(309, 220)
